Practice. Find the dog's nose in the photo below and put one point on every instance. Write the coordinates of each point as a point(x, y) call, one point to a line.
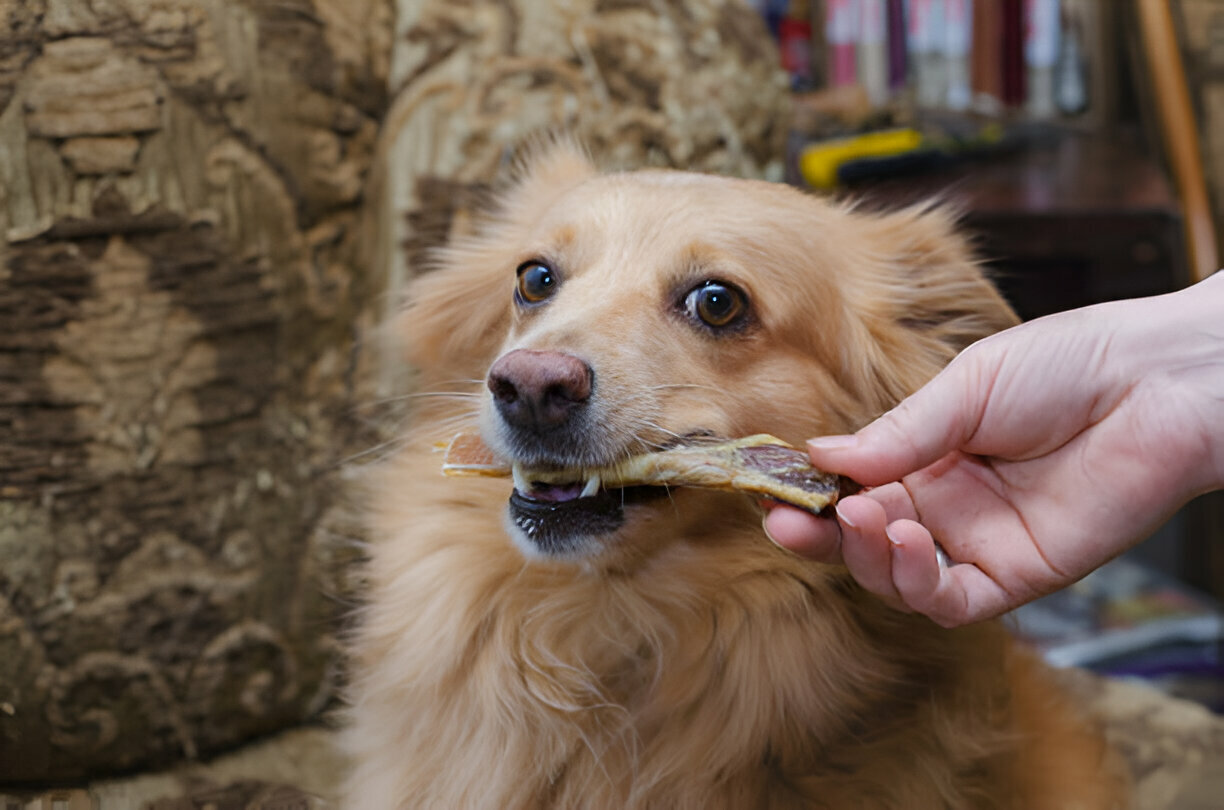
point(538, 389)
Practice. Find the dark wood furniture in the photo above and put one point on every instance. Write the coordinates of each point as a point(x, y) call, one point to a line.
point(1063, 224)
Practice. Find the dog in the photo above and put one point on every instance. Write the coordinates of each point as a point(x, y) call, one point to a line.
point(576, 647)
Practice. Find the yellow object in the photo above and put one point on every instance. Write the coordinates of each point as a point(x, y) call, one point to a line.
point(819, 162)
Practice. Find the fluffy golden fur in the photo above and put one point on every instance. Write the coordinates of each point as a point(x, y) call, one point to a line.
point(683, 661)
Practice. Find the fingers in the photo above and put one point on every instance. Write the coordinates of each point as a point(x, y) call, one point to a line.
point(950, 595)
point(915, 564)
point(866, 548)
point(805, 534)
point(856, 539)
point(896, 561)
point(821, 538)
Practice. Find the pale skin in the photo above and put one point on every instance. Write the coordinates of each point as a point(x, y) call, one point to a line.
point(1036, 456)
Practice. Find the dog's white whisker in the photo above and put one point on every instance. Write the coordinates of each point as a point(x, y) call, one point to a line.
point(694, 386)
point(450, 424)
point(389, 446)
point(430, 394)
point(646, 425)
point(442, 395)
point(457, 395)
point(672, 500)
point(462, 381)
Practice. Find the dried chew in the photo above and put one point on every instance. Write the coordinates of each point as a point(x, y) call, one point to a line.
point(761, 465)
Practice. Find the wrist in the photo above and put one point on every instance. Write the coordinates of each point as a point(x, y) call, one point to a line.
point(1188, 337)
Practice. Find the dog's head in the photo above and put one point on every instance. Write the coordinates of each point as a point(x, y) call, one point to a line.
point(612, 314)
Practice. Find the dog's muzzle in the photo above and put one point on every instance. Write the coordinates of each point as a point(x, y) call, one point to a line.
point(544, 401)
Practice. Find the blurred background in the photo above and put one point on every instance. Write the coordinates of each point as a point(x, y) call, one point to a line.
point(1081, 142)
point(208, 207)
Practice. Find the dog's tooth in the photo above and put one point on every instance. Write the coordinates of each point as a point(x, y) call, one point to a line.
point(592, 485)
point(520, 480)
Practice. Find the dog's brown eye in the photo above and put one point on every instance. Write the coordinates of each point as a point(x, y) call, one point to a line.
point(715, 304)
point(536, 282)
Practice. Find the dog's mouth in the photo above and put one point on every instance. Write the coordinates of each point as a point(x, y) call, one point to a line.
point(566, 518)
point(564, 510)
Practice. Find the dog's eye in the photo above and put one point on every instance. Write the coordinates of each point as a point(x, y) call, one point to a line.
point(715, 304)
point(536, 282)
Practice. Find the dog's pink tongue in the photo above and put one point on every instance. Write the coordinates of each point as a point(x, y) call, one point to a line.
point(555, 493)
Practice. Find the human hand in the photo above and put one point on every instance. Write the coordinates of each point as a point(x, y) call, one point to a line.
point(1036, 456)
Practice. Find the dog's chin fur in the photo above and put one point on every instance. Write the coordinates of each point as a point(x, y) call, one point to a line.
point(678, 659)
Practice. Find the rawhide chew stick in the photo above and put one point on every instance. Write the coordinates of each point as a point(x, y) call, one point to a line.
point(760, 465)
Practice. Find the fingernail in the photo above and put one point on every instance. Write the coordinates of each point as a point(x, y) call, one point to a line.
point(894, 542)
point(841, 516)
point(765, 528)
point(832, 442)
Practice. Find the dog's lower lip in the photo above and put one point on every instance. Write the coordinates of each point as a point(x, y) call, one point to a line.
point(561, 528)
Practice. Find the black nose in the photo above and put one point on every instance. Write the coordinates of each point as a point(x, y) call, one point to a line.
point(539, 390)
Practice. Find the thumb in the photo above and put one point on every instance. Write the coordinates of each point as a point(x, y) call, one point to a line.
point(937, 419)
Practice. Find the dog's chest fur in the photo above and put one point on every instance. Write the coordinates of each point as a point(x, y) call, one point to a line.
point(680, 684)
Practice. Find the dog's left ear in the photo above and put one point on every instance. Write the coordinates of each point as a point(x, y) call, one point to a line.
point(458, 312)
point(544, 168)
point(924, 299)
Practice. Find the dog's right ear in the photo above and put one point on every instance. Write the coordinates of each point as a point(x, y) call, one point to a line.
point(458, 313)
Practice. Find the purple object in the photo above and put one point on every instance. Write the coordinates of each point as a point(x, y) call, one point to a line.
point(898, 68)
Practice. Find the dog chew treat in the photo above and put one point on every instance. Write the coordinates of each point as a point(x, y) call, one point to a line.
point(760, 465)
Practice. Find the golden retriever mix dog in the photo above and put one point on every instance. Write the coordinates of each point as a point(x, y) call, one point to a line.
point(571, 646)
